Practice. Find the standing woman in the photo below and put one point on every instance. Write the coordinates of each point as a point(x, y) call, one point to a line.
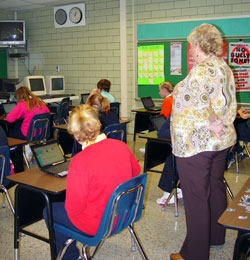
point(27, 106)
point(204, 109)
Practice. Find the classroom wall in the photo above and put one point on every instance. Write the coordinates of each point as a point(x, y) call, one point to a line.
point(87, 53)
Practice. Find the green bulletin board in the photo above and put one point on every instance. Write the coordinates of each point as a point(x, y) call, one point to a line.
point(146, 89)
point(233, 29)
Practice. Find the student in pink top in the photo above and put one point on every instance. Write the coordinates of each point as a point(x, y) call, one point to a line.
point(27, 106)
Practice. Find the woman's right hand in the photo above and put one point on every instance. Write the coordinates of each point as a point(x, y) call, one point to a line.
point(216, 126)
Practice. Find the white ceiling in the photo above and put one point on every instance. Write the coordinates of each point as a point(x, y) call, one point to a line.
point(22, 5)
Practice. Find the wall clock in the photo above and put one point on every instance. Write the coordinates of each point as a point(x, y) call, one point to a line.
point(60, 16)
point(69, 15)
point(75, 15)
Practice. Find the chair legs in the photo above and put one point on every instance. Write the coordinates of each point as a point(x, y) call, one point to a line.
point(5, 192)
point(237, 158)
point(137, 242)
point(228, 189)
point(64, 248)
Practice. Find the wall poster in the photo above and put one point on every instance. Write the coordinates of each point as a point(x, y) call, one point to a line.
point(176, 58)
point(239, 53)
point(150, 60)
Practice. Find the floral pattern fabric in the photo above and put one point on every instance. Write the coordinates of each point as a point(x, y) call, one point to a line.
point(208, 88)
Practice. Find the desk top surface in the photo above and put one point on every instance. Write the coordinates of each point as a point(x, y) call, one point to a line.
point(153, 135)
point(231, 219)
point(14, 141)
point(143, 110)
point(64, 126)
point(38, 180)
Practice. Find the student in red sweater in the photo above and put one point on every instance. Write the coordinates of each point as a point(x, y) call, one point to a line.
point(27, 106)
point(93, 174)
point(165, 90)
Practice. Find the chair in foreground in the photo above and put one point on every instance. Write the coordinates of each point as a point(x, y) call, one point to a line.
point(123, 209)
point(5, 171)
point(117, 131)
point(62, 112)
point(115, 108)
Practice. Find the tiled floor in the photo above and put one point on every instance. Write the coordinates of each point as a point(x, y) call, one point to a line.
point(160, 232)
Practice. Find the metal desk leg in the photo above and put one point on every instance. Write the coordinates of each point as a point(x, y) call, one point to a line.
point(50, 227)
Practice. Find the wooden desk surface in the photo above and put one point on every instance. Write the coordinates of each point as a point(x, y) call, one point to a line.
point(14, 141)
point(231, 219)
point(64, 126)
point(39, 180)
point(153, 135)
point(143, 110)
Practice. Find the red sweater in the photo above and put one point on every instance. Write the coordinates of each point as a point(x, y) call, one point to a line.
point(93, 175)
point(166, 107)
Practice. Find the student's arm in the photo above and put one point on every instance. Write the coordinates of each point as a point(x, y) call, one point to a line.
point(244, 113)
point(15, 113)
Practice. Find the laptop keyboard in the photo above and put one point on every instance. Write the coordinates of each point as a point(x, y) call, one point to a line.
point(56, 169)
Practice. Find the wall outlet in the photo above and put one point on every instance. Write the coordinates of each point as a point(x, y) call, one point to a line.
point(57, 68)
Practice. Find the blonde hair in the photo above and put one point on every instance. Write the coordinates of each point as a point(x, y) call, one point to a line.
point(208, 38)
point(100, 102)
point(24, 94)
point(167, 85)
point(84, 123)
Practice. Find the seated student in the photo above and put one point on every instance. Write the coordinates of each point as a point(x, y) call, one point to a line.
point(166, 180)
point(106, 117)
point(165, 90)
point(103, 87)
point(92, 177)
point(27, 106)
point(242, 127)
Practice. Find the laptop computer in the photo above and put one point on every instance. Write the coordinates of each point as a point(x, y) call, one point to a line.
point(50, 158)
point(157, 121)
point(7, 107)
point(148, 104)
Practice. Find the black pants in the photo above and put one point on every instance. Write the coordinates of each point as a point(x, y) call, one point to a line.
point(204, 195)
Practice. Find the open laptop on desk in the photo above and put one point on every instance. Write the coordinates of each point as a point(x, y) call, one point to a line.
point(7, 107)
point(50, 158)
point(148, 104)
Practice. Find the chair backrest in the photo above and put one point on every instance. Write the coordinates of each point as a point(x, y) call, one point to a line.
point(39, 128)
point(4, 164)
point(116, 131)
point(157, 121)
point(3, 137)
point(115, 108)
point(63, 112)
point(123, 208)
point(84, 97)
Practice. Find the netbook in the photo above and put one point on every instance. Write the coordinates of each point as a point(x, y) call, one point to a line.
point(148, 104)
point(157, 121)
point(50, 158)
point(7, 107)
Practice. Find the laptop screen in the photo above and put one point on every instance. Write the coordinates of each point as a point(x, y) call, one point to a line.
point(7, 107)
point(147, 102)
point(48, 154)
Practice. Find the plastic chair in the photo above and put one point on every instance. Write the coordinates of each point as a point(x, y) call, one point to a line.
point(115, 108)
point(116, 131)
point(62, 112)
point(123, 208)
point(84, 97)
point(5, 171)
point(39, 128)
point(39, 131)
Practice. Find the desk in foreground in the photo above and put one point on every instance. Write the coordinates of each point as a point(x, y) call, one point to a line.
point(35, 191)
point(236, 217)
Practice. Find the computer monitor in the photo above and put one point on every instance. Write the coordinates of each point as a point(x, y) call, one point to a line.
point(55, 84)
point(36, 84)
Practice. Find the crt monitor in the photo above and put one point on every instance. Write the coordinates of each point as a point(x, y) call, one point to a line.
point(36, 84)
point(55, 84)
